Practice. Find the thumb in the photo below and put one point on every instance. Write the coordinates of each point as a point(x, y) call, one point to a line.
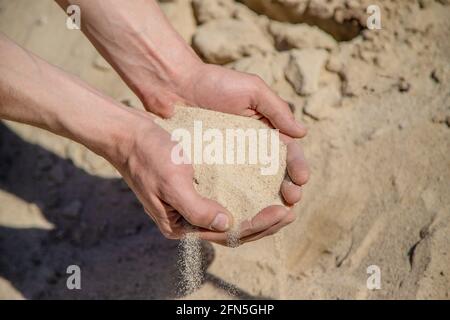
point(202, 212)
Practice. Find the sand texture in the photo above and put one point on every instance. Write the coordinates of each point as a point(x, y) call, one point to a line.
point(377, 107)
point(240, 188)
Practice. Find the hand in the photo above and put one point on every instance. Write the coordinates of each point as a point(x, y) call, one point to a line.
point(167, 192)
point(139, 42)
point(221, 89)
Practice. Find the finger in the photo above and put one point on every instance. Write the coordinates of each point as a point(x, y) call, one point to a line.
point(279, 114)
point(264, 220)
point(297, 167)
point(200, 211)
point(291, 192)
point(216, 237)
point(167, 222)
point(289, 218)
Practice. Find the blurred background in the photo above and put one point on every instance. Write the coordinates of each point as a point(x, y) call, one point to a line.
point(377, 105)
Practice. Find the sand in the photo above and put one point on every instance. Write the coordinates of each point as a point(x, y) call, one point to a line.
point(190, 264)
point(378, 143)
point(240, 187)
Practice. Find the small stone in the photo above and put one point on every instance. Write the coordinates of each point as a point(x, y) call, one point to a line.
point(127, 102)
point(300, 36)
point(334, 63)
point(321, 105)
point(212, 9)
point(403, 85)
point(435, 76)
point(227, 40)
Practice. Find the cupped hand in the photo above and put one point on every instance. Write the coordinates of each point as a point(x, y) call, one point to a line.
point(166, 190)
point(221, 89)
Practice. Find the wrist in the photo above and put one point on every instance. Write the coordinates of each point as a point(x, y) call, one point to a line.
point(96, 121)
point(111, 131)
point(152, 75)
point(136, 38)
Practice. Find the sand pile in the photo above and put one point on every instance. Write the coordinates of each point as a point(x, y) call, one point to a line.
point(244, 187)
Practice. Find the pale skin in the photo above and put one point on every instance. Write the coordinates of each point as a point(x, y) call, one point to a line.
point(154, 61)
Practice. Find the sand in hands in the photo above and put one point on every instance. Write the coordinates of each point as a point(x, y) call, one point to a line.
point(241, 188)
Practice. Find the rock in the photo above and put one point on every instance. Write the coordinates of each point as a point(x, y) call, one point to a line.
point(270, 68)
point(181, 17)
point(304, 68)
point(226, 40)
point(259, 65)
point(323, 9)
point(289, 36)
point(206, 11)
point(321, 104)
point(354, 62)
point(282, 10)
point(72, 210)
point(403, 85)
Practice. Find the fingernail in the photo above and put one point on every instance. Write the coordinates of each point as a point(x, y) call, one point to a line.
point(220, 222)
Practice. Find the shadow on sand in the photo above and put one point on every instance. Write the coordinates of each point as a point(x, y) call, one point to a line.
point(120, 252)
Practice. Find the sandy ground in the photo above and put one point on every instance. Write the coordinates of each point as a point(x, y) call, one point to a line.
point(377, 105)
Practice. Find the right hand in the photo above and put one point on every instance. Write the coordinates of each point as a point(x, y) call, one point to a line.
point(167, 191)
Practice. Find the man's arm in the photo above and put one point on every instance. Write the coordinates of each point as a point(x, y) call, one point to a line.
point(136, 38)
point(39, 94)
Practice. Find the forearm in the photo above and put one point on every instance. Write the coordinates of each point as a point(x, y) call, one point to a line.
point(37, 93)
point(136, 38)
